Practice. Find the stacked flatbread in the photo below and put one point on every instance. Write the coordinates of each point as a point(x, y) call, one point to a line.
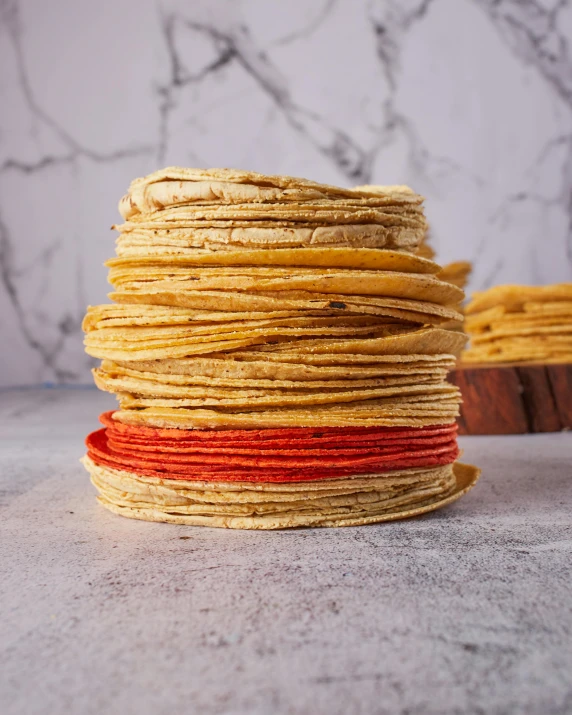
point(276, 350)
point(457, 272)
point(512, 323)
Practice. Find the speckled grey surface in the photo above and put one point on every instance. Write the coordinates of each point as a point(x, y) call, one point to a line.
point(467, 610)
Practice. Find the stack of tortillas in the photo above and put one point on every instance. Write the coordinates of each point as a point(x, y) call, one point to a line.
point(512, 323)
point(276, 350)
point(457, 272)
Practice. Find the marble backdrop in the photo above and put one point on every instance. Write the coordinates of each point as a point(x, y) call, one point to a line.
point(468, 101)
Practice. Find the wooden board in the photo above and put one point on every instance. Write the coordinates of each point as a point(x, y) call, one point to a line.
point(514, 399)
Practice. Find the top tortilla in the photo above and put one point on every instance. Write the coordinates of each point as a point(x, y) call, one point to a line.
point(177, 186)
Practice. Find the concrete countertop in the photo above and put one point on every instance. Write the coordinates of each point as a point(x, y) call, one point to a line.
point(466, 610)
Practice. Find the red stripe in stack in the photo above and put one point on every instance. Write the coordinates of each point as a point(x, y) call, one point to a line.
point(270, 455)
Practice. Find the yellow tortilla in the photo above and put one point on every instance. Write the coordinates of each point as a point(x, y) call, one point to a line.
point(119, 493)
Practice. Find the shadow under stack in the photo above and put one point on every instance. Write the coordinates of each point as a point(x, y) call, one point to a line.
point(276, 351)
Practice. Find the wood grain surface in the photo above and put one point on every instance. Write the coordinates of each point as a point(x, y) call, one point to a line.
point(514, 399)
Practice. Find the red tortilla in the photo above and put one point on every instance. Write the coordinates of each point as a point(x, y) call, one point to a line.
point(347, 449)
point(295, 437)
point(267, 465)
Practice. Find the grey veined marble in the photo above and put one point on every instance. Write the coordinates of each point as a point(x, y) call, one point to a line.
point(466, 610)
point(469, 101)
